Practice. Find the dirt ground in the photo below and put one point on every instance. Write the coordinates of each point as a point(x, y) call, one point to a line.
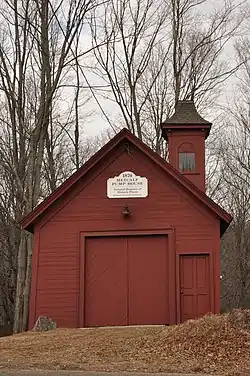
point(80, 373)
point(210, 345)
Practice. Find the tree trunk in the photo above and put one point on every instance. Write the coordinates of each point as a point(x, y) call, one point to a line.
point(27, 284)
point(21, 276)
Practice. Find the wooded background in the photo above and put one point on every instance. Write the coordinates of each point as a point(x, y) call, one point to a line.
point(124, 63)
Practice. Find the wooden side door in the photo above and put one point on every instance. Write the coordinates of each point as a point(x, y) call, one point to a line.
point(195, 295)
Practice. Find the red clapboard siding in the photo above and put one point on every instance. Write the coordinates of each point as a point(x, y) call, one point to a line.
point(88, 209)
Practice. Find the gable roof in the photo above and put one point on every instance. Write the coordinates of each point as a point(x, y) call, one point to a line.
point(28, 221)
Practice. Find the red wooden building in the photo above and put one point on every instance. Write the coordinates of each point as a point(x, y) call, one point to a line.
point(130, 238)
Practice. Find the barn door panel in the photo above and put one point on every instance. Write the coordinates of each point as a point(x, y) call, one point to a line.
point(194, 286)
point(147, 280)
point(106, 281)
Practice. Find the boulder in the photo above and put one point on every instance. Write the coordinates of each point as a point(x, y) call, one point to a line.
point(43, 324)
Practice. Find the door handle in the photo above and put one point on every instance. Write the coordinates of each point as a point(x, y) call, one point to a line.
point(182, 291)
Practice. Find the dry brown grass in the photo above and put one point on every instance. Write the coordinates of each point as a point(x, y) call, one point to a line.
point(208, 345)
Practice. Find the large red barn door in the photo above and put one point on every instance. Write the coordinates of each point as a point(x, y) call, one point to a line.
point(126, 280)
point(148, 280)
point(106, 281)
point(194, 285)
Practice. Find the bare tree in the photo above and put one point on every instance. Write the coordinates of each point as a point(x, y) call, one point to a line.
point(235, 192)
point(36, 41)
point(157, 53)
point(198, 44)
point(236, 242)
point(132, 31)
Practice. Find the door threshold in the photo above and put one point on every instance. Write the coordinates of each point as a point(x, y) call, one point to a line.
point(126, 326)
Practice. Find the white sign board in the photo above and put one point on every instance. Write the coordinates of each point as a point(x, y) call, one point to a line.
point(126, 185)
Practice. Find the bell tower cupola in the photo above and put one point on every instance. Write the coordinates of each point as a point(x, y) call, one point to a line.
point(185, 133)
